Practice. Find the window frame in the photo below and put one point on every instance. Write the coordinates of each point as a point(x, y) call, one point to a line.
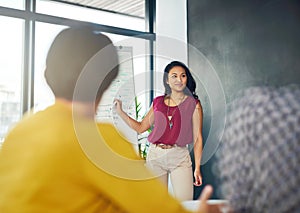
point(31, 16)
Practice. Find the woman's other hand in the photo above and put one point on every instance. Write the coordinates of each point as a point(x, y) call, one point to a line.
point(198, 177)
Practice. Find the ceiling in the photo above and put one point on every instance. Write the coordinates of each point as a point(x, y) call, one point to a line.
point(128, 7)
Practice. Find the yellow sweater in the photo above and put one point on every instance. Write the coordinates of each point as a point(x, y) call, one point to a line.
point(51, 162)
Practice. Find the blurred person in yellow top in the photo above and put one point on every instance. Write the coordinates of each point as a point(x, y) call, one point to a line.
point(60, 160)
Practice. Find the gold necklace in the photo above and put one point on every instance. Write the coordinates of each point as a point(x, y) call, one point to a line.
point(171, 116)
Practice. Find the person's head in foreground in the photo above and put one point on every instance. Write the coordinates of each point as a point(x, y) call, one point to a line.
point(260, 154)
point(80, 65)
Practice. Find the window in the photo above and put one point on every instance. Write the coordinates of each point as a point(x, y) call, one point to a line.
point(26, 35)
point(11, 61)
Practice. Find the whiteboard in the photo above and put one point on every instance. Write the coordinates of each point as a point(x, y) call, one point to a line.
point(122, 88)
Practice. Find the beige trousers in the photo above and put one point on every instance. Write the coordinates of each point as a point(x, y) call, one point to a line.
point(174, 163)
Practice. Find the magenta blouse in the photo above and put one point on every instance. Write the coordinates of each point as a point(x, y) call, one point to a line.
point(181, 130)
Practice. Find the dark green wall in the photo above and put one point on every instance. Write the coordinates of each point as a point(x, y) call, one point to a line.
point(248, 43)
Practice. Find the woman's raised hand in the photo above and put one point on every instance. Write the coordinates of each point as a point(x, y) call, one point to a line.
point(118, 105)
